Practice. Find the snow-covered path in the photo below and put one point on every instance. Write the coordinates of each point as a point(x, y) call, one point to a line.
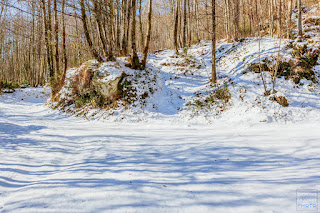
point(53, 163)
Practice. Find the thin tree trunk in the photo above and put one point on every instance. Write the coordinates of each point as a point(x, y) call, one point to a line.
point(299, 21)
point(146, 49)
point(140, 23)
point(56, 35)
point(184, 37)
point(289, 19)
point(134, 61)
point(236, 20)
point(110, 52)
point(64, 49)
point(214, 72)
point(175, 32)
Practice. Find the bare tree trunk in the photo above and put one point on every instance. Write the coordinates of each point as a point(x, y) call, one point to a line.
point(56, 35)
point(271, 18)
point(110, 51)
point(175, 32)
point(279, 19)
point(236, 20)
point(289, 19)
point(214, 72)
point(146, 49)
point(140, 23)
point(196, 19)
point(64, 49)
point(134, 59)
point(47, 42)
point(299, 21)
point(227, 21)
point(184, 37)
point(86, 32)
point(97, 14)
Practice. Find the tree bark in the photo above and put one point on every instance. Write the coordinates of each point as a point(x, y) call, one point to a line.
point(47, 42)
point(146, 49)
point(184, 37)
point(134, 61)
point(175, 32)
point(86, 32)
point(299, 20)
point(214, 72)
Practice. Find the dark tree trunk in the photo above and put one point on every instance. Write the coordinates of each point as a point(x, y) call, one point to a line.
point(146, 49)
point(214, 73)
point(86, 32)
point(134, 59)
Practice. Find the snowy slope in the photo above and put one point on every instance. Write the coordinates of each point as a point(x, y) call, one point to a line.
point(53, 163)
point(181, 82)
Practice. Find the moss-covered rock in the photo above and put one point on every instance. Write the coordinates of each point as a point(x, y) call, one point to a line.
point(93, 84)
point(111, 90)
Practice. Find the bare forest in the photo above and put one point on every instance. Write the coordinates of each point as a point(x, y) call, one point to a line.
point(40, 40)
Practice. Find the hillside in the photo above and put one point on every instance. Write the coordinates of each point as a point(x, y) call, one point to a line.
point(178, 88)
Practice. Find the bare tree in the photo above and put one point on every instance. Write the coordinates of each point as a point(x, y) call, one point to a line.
point(175, 32)
point(134, 59)
point(146, 49)
point(214, 72)
point(86, 32)
point(299, 20)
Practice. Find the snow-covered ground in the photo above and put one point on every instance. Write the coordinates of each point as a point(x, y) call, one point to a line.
point(167, 152)
point(53, 163)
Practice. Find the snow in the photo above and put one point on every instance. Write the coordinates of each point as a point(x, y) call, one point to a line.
point(109, 72)
point(164, 153)
point(178, 86)
point(54, 163)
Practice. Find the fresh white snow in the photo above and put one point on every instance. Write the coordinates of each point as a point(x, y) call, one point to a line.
point(54, 163)
point(163, 155)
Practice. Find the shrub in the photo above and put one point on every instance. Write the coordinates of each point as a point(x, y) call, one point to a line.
point(305, 58)
point(312, 20)
point(280, 100)
point(223, 94)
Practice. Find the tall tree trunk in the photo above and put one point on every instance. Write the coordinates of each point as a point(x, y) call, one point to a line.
point(47, 42)
point(134, 61)
point(111, 43)
point(196, 8)
point(299, 21)
point(86, 33)
point(140, 24)
point(64, 49)
point(271, 18)
point(184, 36)
point(97, 15)
point(214, 72)
point(56, 36)
point(289, 19)
point(279, 19)
point(227, 20)
point(175, 32)
point(125, 12)
point(236, 20)
point(146, 48)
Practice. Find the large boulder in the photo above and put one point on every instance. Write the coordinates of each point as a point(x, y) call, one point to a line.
point(98, 85)
point(110, 89)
